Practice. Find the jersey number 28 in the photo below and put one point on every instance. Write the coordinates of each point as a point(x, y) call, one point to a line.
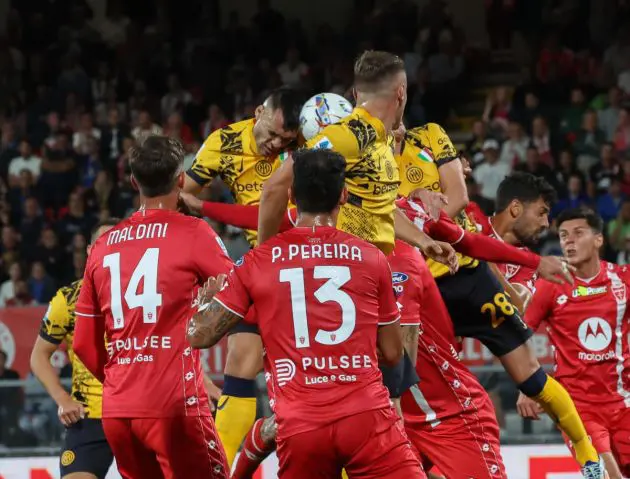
point(337, 276)
point(149, 300)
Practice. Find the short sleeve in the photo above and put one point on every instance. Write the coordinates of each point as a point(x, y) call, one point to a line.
point(88, 303)
point(337, 138)
point(56, 322)
point(441, 145)
point(541, 305)
point(235, 295)
point(209, 255)
point(388, 311)
point(207, 163)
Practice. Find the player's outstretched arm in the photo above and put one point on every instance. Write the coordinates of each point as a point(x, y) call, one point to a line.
point(210, 324)
point(408, 232)
point(274, 201)
point(241, 216)
point(70, 411)
point(212, 320)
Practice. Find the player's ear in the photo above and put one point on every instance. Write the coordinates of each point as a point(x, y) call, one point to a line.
point(180, 180)
point(134, 183)
point(516, 208)
point(599, 240)
point(343, 199)
point(354, 94)
point(258, 112)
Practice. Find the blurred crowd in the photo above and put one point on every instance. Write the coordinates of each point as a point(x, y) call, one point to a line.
point(567, 120)
point(84, 80)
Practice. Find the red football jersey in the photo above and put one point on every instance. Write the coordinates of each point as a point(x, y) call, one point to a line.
point(512, 272)
point(447, 388)
point(319, 295)
point(587, 323)
point(141, 280)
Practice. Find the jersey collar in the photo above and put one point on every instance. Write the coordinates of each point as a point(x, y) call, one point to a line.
point(372, 120)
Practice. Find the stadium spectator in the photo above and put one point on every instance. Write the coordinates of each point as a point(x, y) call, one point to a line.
point(602, 173)
point(543, 141)
point(176, 98)
point(619, 228)
point(8, 288)
point(474, 146)
point(21, 296)
point(575, 196)
point(293, 71)
point(26, 161)
point(40, 285)
point(608, 118)
point(621, 137)
point(31, 223)
point(145, 127)
point(609, 203)
point(85, 135)
point(491, 172)
point(514, 148)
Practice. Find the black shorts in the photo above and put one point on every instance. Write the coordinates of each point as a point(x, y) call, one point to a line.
point(480, 308)
point(86, 449)
point(243, 327)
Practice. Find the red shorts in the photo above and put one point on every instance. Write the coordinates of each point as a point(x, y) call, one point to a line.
point(168, 448)
point(462, 446)
point(609, 432)
point(370, 445)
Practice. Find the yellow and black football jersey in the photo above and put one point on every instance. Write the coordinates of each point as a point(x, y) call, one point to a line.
point(371, 176)
point(423, 151)
point(58, 326)
point(231, 154)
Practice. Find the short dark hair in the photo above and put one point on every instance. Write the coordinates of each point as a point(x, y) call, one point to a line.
point(373, 68)
point(290, 102)
point(525, 188)
point(112, 221)
point(318, 180)
point(155, 165)
point(582, 213)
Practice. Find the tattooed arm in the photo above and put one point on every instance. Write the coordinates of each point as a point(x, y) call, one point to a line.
point(210, 324)
point(410, 341)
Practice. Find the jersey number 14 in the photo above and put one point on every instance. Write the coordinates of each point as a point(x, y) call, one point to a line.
point(149, 300)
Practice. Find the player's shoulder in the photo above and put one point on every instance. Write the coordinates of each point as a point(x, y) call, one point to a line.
point(616, 270)
point(228, 139)
point(70, 292)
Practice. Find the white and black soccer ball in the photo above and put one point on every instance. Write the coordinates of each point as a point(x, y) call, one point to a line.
point(322, 110)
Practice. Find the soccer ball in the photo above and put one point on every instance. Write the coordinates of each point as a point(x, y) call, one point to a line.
point(322, 110)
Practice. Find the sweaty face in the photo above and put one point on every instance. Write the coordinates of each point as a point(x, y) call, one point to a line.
point(578, 241)
point(269, 133)
point(532, 222)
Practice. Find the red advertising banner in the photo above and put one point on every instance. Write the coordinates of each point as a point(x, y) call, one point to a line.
point(19, 328)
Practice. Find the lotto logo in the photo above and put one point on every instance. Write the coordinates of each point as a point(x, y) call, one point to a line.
point(285, 371)
point(595, 334)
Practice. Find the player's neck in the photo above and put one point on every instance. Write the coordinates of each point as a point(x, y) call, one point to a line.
point(502, 228)
point(378, 107)
point(164, 202)
point(589, 269)
point(311, 220)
